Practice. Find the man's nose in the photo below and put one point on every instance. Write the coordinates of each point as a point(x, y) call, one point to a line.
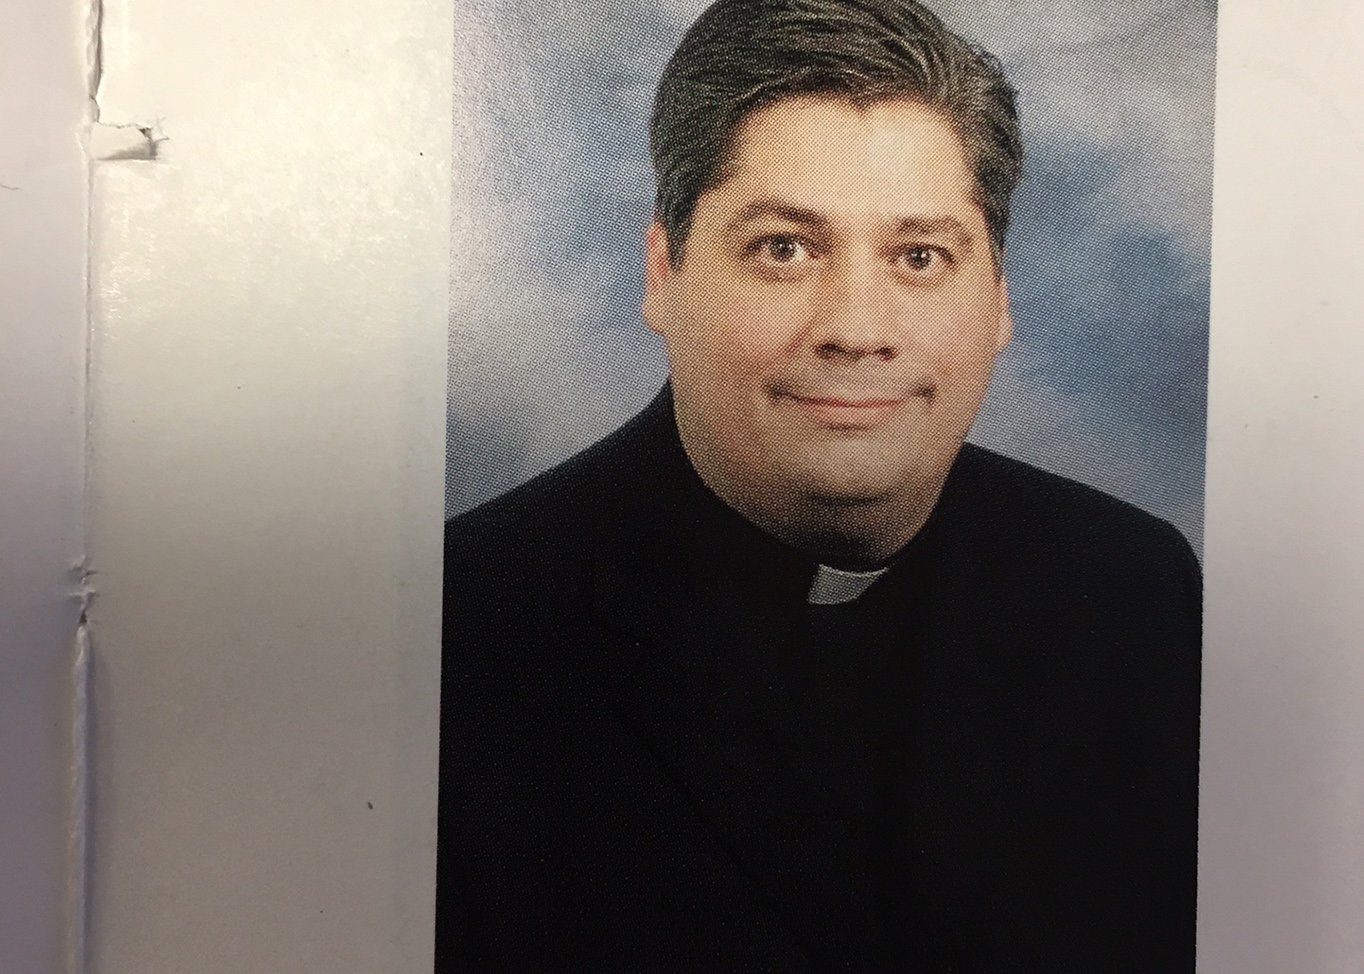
point(854, 314)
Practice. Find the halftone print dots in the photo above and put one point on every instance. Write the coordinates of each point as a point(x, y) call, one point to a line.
point(1106, 257)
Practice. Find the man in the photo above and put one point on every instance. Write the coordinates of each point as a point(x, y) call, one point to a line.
point(781, 676)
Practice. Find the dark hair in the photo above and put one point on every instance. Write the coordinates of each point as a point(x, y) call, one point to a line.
point(741, 55)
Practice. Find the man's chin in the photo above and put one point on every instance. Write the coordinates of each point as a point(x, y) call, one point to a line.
point(852, 486)
point(853, 474)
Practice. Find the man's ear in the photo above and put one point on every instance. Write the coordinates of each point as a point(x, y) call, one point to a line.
point(658, 273)
point(1006, 319)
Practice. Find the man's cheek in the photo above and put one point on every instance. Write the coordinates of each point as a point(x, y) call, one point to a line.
point(764, 339)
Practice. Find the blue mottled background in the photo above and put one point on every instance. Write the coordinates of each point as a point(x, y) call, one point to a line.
point(1106, 378)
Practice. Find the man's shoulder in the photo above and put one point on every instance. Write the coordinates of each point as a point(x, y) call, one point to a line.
point(518, 569)
point(1037, 509)
point(559, 507)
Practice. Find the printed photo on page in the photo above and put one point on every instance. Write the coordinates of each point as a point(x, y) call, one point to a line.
point(824, 495)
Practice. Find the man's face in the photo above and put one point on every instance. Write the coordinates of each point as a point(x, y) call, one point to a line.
point(832, 323)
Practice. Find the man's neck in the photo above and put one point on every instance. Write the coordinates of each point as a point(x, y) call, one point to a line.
point(854, 536)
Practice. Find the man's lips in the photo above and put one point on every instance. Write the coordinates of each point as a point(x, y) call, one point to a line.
point(847, 409)
point(850, 402)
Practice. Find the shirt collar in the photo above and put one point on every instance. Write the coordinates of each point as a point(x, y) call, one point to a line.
point(834, 586)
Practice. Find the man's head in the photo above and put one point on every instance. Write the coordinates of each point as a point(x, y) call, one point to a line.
point(825, 263)
point(743, 54)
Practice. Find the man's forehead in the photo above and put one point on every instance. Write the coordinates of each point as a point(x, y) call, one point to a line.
point(880, 123)
point(805, 135)
point(898, 166)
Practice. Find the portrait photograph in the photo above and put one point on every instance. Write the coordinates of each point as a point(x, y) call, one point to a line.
point(824, 486)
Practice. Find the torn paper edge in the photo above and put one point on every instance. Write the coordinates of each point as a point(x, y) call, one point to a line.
point(78, 774)
point(79, 796)
point(110, 141)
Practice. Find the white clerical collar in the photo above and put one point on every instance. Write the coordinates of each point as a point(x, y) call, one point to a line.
point(833, 586)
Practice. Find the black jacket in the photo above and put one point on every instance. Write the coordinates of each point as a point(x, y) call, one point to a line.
point(635, 776)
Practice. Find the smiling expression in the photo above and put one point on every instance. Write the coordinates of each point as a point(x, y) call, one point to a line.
point(832, 319)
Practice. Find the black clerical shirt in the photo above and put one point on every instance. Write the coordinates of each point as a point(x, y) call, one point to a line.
point(852, 669)
point(859, 662)
point(851, 675)
point(656, 754)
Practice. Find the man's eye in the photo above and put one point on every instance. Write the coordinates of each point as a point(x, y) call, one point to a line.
point(782, 250)
point(920, 258)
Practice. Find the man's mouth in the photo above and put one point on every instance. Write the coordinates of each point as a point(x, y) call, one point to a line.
point(850, 401)
point(847, 409)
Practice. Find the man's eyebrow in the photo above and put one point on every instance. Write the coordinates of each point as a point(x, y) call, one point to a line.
point(779, 209)
point(934, 226)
